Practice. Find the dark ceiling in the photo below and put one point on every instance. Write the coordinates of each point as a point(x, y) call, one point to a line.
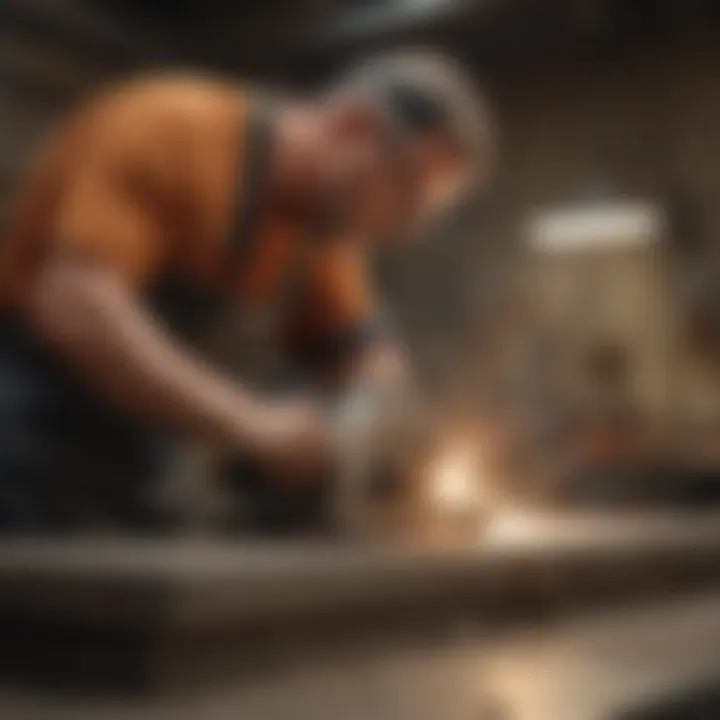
point(309, 33)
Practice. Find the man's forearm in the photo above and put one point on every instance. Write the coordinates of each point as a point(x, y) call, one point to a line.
point(91, 320)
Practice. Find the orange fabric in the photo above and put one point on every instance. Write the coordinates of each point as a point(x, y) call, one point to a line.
point(339, 288)
point(143, 178)
point(265, 266)
point(108, 222)
point(339, 296)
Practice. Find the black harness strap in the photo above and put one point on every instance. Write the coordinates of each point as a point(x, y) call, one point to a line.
point(252, 182)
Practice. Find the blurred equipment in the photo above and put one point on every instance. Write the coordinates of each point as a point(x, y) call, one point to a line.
point(379, 429)
point(600, 286)
point(615, 299)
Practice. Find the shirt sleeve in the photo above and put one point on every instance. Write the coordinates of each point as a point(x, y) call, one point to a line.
point(339, 317)
point(106, 218)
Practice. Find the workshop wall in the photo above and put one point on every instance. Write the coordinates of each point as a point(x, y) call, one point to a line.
point(639, 124)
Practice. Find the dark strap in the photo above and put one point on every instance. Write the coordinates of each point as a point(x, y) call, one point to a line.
point(252, 189)
point(342, 344)
point(252, 181)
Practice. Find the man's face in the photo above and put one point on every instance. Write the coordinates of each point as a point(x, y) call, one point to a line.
point(388, 188)
point(409, 185)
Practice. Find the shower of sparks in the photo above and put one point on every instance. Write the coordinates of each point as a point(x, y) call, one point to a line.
point(455, 480)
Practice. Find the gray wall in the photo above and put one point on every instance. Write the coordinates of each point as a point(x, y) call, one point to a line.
point(637, 124)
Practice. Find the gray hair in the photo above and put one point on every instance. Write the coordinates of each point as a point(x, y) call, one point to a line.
point(467, 116)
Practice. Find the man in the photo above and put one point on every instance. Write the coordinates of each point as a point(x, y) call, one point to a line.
point(165, 200)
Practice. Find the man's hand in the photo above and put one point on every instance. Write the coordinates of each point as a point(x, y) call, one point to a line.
point(292, 438)
point(378, 425)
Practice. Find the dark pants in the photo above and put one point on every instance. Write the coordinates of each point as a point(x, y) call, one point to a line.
point(66, 461)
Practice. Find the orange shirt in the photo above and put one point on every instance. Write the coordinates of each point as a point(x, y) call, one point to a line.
point(144, 178)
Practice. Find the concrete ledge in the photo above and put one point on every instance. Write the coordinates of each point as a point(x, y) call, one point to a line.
point(194, 584)
point(151, 602)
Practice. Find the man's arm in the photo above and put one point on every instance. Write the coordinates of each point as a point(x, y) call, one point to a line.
point(88, 316)
point(84, 304)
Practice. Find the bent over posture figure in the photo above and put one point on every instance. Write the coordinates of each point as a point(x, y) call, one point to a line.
point(168, 200)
